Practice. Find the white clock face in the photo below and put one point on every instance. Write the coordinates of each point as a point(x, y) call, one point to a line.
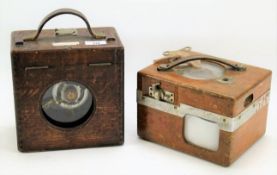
point(67, 104)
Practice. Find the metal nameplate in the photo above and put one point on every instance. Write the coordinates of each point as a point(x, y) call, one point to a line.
point(225, 123)
point(65, 32)
point(96, 42)
point(70, 43)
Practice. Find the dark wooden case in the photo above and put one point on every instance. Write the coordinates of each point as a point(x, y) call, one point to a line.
point(238, 102)
point(93, 57)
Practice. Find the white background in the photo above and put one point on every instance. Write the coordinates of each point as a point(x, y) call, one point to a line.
point(241, 30)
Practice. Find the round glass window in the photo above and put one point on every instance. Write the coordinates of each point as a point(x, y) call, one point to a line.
point(204, 71)
point(67, 104)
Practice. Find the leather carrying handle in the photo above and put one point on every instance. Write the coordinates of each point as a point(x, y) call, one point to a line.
point(165, 67)
point(62, 12)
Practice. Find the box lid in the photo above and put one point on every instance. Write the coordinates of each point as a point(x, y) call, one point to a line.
point(61, 39)
point(253, 80)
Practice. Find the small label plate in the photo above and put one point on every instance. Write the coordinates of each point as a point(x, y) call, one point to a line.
point(73, 43)
point(95, 42)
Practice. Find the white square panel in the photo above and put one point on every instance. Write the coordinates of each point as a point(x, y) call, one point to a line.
point(201, 132)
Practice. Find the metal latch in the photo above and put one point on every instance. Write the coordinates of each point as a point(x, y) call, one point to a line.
point(158, 93)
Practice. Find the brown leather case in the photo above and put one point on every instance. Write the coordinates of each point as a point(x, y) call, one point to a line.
point(92, 57)
point(237, 102)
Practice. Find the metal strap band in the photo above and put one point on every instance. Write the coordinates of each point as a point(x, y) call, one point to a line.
point(225, 123)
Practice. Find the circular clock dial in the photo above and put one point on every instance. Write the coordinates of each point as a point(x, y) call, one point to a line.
point(67, 104)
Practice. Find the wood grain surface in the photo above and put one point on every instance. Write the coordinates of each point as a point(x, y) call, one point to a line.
point(105, 126)
point(209, 95)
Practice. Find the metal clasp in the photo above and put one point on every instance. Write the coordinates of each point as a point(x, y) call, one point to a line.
point(158, 93)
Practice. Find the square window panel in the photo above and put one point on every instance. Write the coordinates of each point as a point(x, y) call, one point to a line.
point(201, 132)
